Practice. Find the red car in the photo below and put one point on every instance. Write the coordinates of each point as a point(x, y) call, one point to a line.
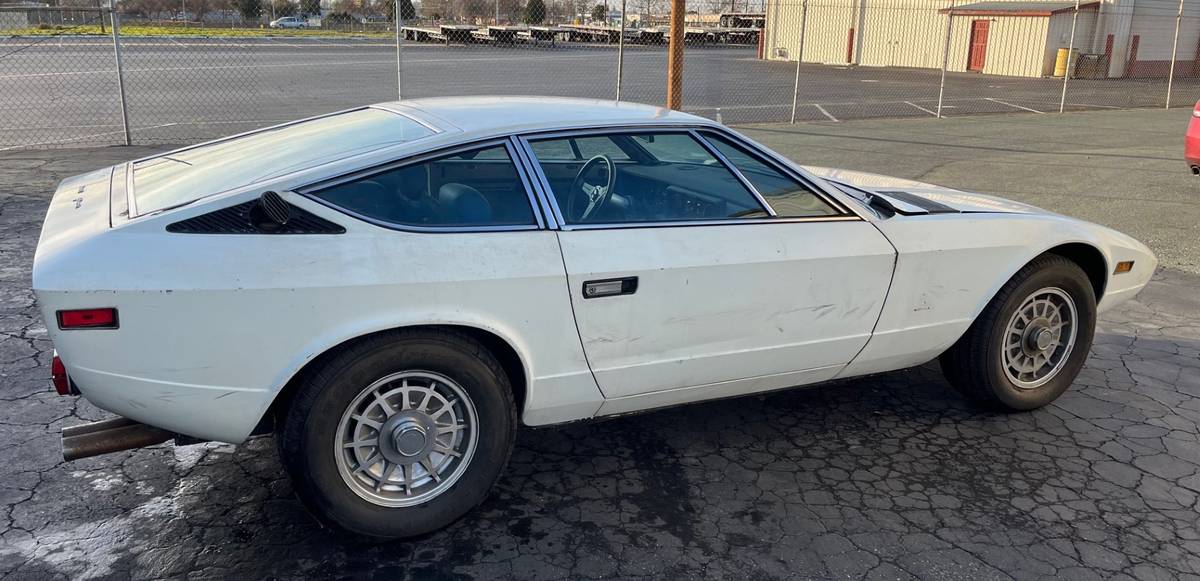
point(1191, 142)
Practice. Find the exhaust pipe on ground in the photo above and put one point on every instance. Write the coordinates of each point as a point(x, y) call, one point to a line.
point(107, 436)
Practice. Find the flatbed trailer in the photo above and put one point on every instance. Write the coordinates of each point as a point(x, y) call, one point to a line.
point(604, 33)
point(716, 35)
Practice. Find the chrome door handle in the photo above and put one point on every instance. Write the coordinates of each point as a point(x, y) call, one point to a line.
point(610, 287)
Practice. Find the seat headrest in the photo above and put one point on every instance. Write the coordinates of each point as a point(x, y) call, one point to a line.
point(462, 204)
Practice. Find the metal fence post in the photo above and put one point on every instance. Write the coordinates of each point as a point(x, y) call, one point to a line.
point(799, 55)
point(399, 41)
point(1062, 102)
point(1174, 50)
point(621, 51)
point(116, 36)
point(945, 58)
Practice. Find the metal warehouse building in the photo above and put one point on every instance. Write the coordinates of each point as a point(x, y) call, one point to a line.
point(1121, 38)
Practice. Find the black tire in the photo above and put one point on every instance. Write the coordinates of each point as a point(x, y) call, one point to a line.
point(309, 428)
point(975, 365)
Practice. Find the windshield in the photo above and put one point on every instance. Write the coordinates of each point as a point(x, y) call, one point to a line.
point(171, 180)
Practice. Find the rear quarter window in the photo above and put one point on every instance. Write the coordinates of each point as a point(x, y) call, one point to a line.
point(470, 189)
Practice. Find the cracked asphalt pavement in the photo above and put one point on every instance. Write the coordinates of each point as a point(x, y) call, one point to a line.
point(892, 476)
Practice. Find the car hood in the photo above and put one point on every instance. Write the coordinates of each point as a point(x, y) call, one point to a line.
point(928, 197)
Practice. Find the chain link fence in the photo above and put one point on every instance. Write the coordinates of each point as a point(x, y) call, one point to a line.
point(191, 70)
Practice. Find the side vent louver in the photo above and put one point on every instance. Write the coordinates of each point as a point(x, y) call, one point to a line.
point(238, 220)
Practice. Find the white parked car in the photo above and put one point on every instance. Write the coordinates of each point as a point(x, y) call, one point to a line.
point(289, 22)
point(393, 290)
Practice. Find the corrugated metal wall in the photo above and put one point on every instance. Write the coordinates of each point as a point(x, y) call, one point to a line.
point(903, 36)
point(911, 33)
point(1016, 44)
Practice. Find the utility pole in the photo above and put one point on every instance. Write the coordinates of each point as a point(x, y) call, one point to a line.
point(675, 56)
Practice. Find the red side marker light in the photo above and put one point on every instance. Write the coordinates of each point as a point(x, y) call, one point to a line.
point(88, 319)
point(58, 377)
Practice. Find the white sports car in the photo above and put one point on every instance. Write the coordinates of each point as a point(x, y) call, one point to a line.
point(393, 289)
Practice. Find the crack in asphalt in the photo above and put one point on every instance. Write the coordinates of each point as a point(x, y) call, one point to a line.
point(891, 476)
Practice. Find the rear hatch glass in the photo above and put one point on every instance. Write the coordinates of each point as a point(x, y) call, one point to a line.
point(185, 176)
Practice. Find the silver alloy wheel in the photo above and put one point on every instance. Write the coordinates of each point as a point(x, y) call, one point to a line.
point(406, 438)
point(1039, 337)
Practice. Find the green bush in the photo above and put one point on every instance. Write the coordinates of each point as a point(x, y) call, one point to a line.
point(535, 11)
point(337, 19)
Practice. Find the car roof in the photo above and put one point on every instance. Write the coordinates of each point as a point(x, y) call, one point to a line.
point(485, 116)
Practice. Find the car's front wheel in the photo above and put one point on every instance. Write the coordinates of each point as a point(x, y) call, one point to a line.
point(399, 434)
point(1029, 343)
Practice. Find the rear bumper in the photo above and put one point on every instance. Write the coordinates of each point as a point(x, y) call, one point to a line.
point(203, 412)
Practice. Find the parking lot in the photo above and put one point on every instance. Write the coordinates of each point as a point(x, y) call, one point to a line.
point(56, 91)
point(892, 476)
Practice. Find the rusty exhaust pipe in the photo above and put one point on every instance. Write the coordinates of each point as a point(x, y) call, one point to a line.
point(107, 436)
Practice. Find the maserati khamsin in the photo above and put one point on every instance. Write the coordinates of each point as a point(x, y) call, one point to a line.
point(392, 290)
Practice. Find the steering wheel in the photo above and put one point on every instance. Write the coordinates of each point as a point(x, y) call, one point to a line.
point(584, 198)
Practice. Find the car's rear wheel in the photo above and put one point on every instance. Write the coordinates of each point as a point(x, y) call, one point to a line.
point(1029, 343)
point(399, 434)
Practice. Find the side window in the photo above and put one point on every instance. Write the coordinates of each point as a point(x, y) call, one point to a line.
point(789, 198)
point(676, 147)
point(576, 148)
point(480, 187)
point(642, 177)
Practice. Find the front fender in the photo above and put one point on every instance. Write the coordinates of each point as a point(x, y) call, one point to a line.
point(949, 266)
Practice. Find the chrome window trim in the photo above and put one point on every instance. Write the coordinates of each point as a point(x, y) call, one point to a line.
point(535, 179)
point(846, 215)
point(309, 190)
point(782, 164)
point(130, 200)
point(543, 183)
point(717, 222)
point(712, 150)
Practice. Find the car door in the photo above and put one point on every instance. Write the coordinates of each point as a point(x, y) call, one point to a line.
point(688, 278)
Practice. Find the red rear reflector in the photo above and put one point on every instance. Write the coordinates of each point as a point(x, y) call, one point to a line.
point(88, 319)
point(58, 377)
